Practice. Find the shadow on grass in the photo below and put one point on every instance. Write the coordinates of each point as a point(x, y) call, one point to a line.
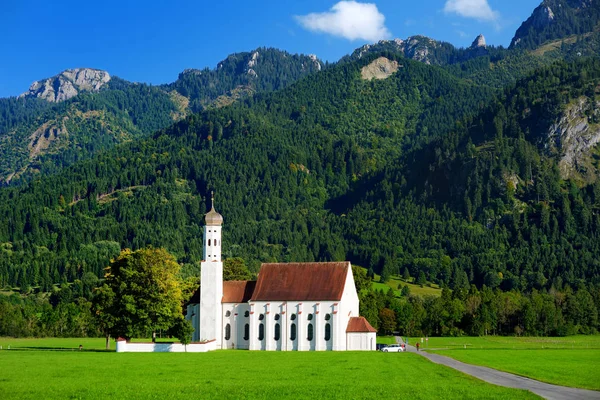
point(74, 349)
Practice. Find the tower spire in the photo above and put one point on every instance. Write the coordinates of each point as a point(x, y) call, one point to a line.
point(212, 200)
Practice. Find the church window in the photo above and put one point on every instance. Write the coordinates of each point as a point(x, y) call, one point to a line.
point(261, 317)
point(261, 331)
point(310, 317)
point(247, 314)
point(277, 331)
point(311, 332)
point(276, 317)
point(293, 317)
point(209, 242)
point(228, 314)
point(293, 332)
point(227, 332)
point(327, 317)
point(327, 332)
point(246, 332)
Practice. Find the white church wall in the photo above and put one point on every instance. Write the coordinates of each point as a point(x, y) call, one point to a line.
point(237, 315)
point(132, 347)
point(193, 315)
point(361, 341)
point(286, 326)
point(348, 307)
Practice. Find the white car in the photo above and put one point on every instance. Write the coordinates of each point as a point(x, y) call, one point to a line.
point(393, 348)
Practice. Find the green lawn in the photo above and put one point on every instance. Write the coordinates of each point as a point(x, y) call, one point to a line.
point(577, 368)
point(511, 342)
point(31, 374)
point(434, 290)
point(569, 361)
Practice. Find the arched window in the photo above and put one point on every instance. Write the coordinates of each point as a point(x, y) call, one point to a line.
point(311, 332)
point(327, 317)
point(246, 332)
point(228, 313)
point(261, 331)
point(276, 317)
point(327, 332)
point(209, 242)
point(293, 317)
point(247, 314)
point(293, 332)
point(227, 332)
point(277, 332)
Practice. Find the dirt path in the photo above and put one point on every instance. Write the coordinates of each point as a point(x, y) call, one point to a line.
point(493, 376)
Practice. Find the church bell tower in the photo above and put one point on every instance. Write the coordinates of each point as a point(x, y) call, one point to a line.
point(211, 278)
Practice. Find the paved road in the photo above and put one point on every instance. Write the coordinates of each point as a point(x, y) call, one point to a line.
point(546, 390)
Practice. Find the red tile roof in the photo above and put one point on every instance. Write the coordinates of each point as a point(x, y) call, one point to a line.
point(233, 292)
point(237, 291)
point(359, 324)
point(301, 281)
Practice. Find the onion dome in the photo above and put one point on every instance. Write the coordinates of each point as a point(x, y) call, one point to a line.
point(213, 218)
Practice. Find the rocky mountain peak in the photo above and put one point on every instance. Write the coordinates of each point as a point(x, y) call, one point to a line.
point(543, 16)
point(479, 42)
point(68, 84)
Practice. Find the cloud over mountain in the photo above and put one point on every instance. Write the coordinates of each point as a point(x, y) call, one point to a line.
point(477, 9)
point(350, 20)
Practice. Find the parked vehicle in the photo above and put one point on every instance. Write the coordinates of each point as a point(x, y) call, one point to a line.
point(393, 348)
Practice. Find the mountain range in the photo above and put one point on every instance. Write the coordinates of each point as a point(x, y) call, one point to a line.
point(472, 166)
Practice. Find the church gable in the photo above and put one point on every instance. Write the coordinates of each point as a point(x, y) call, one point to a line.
point(317, 281)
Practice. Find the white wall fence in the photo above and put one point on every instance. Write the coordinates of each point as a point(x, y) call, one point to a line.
point(133, 347)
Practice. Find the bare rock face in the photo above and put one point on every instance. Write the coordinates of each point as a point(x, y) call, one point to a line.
point(574, 136)
point(381, 68)
point(68, 84)
point(315, 60)
point(543, 16)
point(479, 42)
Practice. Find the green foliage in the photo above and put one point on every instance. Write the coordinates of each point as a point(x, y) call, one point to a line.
point(140, 294)
point(235, 269)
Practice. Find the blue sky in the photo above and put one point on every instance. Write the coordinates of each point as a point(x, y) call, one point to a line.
point(152, 41)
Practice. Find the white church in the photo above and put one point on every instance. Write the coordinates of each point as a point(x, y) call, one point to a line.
point(290, 307)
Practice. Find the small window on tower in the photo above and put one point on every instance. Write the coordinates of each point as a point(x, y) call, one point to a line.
point(209, 242)
point(228, 314)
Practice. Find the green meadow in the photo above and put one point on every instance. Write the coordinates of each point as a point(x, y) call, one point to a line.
point(26, 373)
point(569, 361)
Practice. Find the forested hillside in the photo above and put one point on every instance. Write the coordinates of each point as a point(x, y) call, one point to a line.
point(273, 160)
point(334, 167)
point(38, 138)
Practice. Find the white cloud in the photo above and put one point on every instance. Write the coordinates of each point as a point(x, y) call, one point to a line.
point(477, 9)
point(350, 20)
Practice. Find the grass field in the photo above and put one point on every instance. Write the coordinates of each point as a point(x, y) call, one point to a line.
point(511, 342)
point(433, 290)
point(569, 361)
point(29, 374)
